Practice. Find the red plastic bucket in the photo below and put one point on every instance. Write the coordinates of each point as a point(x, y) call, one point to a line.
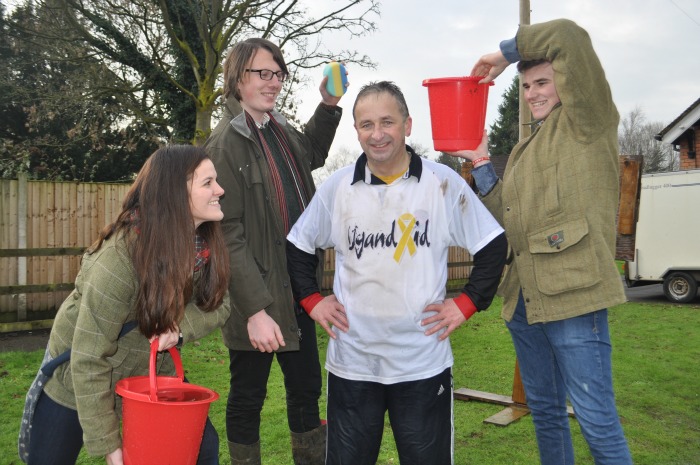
point(457, 111)
point(162, 416)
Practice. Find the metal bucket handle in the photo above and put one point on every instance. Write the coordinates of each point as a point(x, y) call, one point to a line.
point(175, 354)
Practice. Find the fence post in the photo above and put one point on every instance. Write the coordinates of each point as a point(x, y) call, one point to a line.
point(22, 244)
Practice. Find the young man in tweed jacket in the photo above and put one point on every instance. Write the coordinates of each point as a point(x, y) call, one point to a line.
point(557, 202)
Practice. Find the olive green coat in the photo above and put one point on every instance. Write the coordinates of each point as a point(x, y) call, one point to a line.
point(558, 198)
point(88, 322)
point(252, 224)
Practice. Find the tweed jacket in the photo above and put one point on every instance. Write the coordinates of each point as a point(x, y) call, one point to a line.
point(253, 227)
point(89, 322)
point(558, 197)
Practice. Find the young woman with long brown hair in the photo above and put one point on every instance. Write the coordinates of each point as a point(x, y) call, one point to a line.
point(162, 264)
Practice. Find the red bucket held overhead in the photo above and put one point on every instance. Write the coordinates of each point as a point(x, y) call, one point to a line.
point(457, 111)
point(163, 417)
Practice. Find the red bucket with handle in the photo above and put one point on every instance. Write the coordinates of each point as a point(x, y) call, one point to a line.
point(163, 417)
point(457, 111)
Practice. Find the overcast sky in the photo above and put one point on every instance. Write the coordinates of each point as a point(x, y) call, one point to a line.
point(649, 49)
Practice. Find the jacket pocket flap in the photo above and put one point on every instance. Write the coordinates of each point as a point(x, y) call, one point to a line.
point(558, 237)
point(251, 174)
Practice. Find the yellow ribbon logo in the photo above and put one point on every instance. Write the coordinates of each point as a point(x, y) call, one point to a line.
point(406, 223)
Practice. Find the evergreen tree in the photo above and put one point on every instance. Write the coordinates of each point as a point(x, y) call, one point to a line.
point(11, 113)
point(453, 162)
point(183, 15)
point(504, 133)
point(58, 120)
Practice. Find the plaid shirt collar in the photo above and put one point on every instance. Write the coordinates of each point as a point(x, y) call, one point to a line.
point(201, 249)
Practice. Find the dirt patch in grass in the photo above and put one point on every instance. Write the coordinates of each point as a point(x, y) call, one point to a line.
point(27, 341)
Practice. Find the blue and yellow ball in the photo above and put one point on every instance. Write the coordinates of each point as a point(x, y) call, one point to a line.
point(337, 78)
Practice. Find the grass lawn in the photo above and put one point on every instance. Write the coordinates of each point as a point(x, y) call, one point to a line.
point(656, 350)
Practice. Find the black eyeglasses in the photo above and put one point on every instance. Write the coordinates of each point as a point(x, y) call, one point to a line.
point(266, 74)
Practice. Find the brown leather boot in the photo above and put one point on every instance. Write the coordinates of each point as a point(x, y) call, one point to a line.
point(242, 454)
point(309, 448)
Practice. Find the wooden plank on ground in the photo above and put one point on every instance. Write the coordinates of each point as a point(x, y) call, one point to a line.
point(507, 416)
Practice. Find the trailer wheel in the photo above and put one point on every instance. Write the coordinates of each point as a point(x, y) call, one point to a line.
point(680, 287)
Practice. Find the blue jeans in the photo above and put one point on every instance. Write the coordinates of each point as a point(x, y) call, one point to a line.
point(569, 357)
point(420, 413)
point(57, 436)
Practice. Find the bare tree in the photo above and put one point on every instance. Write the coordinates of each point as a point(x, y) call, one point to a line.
point(55, 122)
point(340, 159)
point(166, 52)
point(636, 137)
point(420, 149)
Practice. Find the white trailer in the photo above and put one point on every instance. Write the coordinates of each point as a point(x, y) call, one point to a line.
point(667, 243)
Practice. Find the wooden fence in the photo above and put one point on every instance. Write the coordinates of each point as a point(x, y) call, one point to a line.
point(44, 228)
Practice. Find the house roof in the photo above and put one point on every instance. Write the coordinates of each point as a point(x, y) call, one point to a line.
point(686, 120)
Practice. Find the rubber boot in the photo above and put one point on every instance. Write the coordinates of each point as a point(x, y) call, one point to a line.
point(242, 454)
point(309, 448)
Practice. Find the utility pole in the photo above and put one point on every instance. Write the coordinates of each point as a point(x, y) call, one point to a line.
point(516, 404)
point(524, 113)
point(524, 117)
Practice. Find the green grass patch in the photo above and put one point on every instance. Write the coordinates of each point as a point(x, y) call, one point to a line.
point(620, 264)
point(656, 350)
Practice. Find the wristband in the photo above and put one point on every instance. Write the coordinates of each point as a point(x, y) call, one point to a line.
point(465, 305)
point(479, 160)
point(309, 302)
